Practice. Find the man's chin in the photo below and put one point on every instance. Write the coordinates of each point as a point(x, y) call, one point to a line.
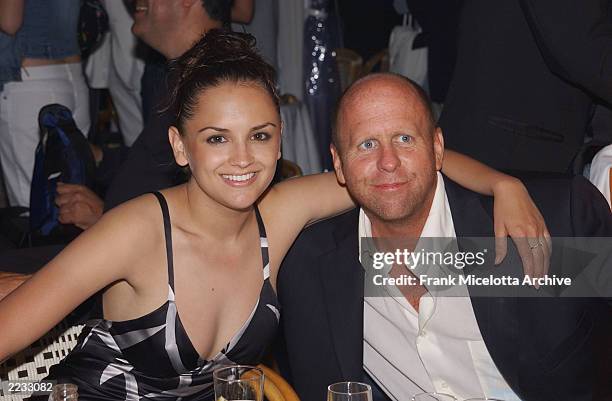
point(390, 213)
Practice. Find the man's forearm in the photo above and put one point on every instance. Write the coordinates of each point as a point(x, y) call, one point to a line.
point(11, 16)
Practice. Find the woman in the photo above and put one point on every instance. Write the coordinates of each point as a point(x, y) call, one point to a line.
point(159, 271)
point(40, 63)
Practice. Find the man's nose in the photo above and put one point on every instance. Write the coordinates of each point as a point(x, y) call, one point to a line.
point(388, 160)
point(241, 155)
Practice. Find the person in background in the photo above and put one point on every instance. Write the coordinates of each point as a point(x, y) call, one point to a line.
point(526, 80)
point(40, 64)
point(118, 65)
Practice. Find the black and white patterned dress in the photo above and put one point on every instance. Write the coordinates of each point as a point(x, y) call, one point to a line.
point(152, 357)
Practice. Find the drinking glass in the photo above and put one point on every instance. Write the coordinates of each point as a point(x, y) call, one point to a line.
point(483, 399)
point(349, 391)
point(433, 397)
point(64, 392)
point(238, 383)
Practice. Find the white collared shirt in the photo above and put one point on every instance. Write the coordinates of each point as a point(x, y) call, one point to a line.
point(439, 348)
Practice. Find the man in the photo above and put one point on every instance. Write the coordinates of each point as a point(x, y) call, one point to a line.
point(527, 76)
point(388, 152)
point(171, 27)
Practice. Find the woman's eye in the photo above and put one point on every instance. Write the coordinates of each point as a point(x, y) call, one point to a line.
point(215, 139)
point(261, 136)
point(369, 144)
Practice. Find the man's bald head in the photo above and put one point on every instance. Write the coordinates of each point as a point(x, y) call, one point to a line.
point(387, 150)
point(361, 92)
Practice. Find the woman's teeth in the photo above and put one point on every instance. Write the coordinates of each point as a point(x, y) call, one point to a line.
point(243, 177)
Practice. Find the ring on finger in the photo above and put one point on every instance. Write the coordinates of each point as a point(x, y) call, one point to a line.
point(534, 246)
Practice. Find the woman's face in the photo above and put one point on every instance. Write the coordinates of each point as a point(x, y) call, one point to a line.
point(231, 143)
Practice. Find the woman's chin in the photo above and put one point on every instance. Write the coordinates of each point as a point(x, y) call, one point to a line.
point(241, 204)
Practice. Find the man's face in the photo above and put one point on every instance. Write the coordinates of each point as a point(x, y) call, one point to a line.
point(154, 19)
point(388, 152)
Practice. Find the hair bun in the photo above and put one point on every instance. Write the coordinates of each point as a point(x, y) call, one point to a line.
point(219, 56)
point(216, 48)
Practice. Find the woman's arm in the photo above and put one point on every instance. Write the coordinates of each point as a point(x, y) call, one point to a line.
point(11, 16)
point(100, 256)
point(515, 213)
point(310, 198)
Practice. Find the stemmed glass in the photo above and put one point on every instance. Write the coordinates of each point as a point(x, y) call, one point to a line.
point(483, 399)
point(238, 382)
point(432, 397)
point(349, 391)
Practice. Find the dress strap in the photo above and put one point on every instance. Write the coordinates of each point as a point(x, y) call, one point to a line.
point(168, 234)
point(263, 243)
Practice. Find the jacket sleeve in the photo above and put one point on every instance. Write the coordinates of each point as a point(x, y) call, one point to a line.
point(575, 39)
point(141, 173)
point(590, 213)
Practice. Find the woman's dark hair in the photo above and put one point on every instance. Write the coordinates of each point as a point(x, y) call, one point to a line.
point(220, 56)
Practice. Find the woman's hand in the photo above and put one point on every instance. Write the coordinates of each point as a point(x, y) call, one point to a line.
point(516, 215)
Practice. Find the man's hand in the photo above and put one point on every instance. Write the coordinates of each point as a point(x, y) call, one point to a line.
point(78, 205)
point(516, 215)
point(10, 281)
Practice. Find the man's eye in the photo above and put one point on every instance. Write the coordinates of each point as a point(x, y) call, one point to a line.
point(261, 136)
point(215, 139)
point(369, 144)
point(404, 138)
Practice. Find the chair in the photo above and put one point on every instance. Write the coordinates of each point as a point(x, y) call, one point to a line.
point(276, 388)
point(288, 98)
point(289, 169)
point(349, 66)
point(380, 59)
point(33, 363)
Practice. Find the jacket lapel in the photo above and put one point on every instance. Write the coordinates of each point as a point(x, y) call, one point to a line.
point(342, 278)
point(497, 317)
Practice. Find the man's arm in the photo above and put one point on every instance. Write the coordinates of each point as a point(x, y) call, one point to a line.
point(150, 164)
point(591, 215)
point(78, 205)
point(139, 174)
point(11, 16)
point(242, 11)
point(575, 39)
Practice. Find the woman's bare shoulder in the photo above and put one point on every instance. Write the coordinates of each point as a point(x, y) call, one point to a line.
point(136, 223)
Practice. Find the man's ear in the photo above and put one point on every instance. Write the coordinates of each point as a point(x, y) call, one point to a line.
point(178, 147)
point(337, 164)
point(438, 145)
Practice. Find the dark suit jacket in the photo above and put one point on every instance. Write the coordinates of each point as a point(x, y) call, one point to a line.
point(525, 77)
point(150, 165)
point(542, 348)
point(439, 20)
